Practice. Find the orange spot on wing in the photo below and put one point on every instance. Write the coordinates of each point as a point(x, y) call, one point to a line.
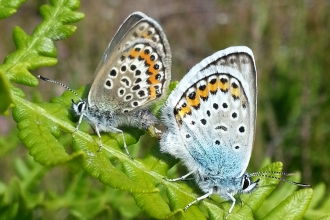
point(213, 87)
point(146, 58)
point(184, 110)
point(203, 93)
point(193, 102)
point(153, 71)
point(153, 80)
point(134, 53)
point(223, 86)
point(235, 92)
point(152, 93)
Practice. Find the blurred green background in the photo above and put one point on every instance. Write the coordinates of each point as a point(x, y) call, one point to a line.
point(290, 41)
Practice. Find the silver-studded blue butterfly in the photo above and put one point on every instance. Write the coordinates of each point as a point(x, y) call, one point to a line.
point(134, 72)
point(211, 120)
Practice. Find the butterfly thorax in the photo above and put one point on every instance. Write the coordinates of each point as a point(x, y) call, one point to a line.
point(225, 187)
point(106, 120)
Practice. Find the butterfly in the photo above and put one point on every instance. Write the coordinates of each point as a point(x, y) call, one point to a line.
point(211, 121)
point(133, 73)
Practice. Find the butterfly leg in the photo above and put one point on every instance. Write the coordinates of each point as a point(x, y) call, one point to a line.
point(232, 206)
point(79, 122)
point(122, 134)
point(97, 131)
point(198, 199)
point(181, 178)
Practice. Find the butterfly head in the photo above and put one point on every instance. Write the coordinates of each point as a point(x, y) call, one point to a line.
point(227, 186)
point(247, 185)
point(80, 107)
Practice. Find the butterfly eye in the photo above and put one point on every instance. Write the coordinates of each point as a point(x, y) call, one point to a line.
point(246, 182)
point(80, 106)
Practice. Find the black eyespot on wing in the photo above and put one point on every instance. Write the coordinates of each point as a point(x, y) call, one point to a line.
point(158, 93)
point(192, 95)
point(125, 81)
point(222, 127)
point(113, 73)
point(136, 87)
point(213, 81)
point(137, 72)
point(223, 80)
point(234, 85)
point(123, 68)
point(202, 87)
point(141, 93)
point(133, 67)
point(158, 76)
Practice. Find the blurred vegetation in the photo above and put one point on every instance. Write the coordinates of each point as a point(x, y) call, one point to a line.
point(290, 41)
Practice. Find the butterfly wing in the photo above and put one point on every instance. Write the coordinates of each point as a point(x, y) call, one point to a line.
point(135, 68)
point(211, 115)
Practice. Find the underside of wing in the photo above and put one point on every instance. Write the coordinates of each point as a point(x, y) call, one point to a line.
point(135, 69)
point(214, 108)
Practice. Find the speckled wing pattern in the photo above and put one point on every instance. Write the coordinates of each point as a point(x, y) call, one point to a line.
point(135, 69)
point(211, 115)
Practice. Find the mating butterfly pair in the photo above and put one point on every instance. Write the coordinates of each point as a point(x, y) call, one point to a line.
point(210, 116)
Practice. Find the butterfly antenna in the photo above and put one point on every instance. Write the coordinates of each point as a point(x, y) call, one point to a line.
point(58, 83)
point(266, 174)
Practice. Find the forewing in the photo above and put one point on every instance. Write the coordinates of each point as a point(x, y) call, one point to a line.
point(135, 69)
